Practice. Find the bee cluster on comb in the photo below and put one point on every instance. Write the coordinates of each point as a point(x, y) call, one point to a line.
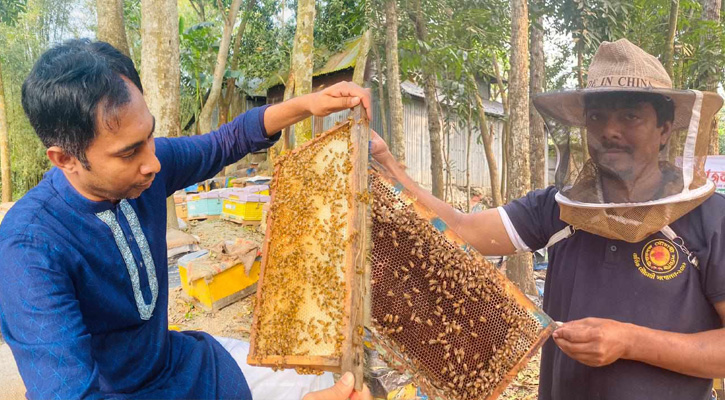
point(308, 313)
point(440, 313)
point(347, 246)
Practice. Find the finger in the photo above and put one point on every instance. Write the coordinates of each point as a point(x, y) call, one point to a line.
point(343, 103)
point(591, 360)
point(576, 352)
point(576, 348)
point(341, 390)
point(364, 395)
point(367, 103)
point(564, 347)
point(574, 333)
point(351, 89)
point(352, 101)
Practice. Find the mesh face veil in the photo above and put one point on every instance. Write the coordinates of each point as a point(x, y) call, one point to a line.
point(646, 145)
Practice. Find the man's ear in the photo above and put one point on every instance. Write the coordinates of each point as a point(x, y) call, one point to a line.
point(64, 161)
point(665, 134)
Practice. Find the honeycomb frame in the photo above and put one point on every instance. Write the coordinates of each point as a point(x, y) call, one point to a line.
point(346, 227)
point(440, 312)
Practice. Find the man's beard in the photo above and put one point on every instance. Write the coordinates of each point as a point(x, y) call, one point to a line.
point(131, 192)
point(599, 152)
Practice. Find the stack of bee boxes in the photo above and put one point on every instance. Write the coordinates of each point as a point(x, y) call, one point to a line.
point(180, 204)
point(245, 205)
point(205, 205)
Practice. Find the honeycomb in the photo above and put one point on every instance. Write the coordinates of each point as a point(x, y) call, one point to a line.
point(302, 316)
point(439, 312)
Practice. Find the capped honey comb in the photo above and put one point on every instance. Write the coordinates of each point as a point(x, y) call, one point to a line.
point(440, 312)
point(308, 313)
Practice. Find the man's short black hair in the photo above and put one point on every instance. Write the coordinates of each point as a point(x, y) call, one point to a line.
point(67, 84)
point(663, 105)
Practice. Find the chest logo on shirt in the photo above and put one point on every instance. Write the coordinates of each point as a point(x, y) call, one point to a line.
point(659, 260)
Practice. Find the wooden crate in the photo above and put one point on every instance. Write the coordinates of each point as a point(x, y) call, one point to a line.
point(309, 312)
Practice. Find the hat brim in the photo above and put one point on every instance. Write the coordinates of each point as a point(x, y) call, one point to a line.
point(567, 106)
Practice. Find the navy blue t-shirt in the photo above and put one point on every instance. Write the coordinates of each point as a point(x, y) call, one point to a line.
point(650, 283)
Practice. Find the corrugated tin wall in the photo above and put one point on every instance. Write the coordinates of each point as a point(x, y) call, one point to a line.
point(417, 145)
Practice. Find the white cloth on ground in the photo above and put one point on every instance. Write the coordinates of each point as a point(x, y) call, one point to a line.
point(266, 384)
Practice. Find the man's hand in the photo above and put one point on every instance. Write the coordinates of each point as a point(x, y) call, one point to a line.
point(594, 342)
point(379, 149)
point(338, 97)
point(343, 390)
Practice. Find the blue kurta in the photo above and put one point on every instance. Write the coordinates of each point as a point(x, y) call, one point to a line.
point(84, 284)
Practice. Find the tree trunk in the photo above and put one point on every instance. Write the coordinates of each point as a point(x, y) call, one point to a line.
point(301, 64)
point(358, 74)
point(487, 138)
point(381, 94)
point(393, 69)
point(711, 12)
point(430, 84)
point(519, 268)
point(499, 83)
point(199, 9)
point(537, 138)
point(289, 91)
point(580, 78)
point(212, 101)
point(160, 72)
point(507, 118)
point(448, 192)
point(434, 131)
point(110, 24)
point(669, 56)
point(7, 191)
point(284, 143)
point(469, 132)
point(226, 101)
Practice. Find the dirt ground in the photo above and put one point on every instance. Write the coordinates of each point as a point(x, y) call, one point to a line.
point(235, 320)
point(232, 321)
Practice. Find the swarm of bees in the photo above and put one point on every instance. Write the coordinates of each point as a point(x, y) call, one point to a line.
point(439, 313)
point(301, 310)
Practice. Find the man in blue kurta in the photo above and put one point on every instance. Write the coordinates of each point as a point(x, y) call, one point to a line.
point(84, 286)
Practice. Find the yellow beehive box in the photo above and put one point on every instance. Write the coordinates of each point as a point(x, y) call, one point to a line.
point(239, 206)
point(257, 189)
point(216, 284)
point(182, 211)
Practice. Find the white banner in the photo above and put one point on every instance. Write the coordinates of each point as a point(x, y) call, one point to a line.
point(715, 169)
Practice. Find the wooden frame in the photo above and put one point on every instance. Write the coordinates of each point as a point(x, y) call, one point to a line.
point(390, 351)
point(357, 217)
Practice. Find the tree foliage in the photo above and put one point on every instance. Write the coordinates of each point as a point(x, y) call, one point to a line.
point(9, 11)
point(38, 24)
point(463, 36)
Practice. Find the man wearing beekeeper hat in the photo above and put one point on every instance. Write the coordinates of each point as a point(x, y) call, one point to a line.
point(635, 235)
